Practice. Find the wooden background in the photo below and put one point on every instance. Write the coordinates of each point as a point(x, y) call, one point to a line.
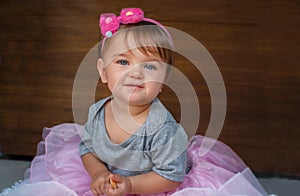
point(255, 43)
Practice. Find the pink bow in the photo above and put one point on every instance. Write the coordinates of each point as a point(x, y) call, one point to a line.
point(110, 23)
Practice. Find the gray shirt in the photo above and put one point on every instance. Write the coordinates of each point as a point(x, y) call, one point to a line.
point(159, 145)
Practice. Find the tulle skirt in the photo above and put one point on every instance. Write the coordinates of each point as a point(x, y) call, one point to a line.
point(57, 169)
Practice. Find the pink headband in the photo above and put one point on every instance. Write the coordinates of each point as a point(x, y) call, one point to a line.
point(109, 23)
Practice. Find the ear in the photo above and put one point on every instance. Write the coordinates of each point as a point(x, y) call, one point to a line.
point(101, 70)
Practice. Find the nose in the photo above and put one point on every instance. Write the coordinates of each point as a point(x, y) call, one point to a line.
point(136, 72)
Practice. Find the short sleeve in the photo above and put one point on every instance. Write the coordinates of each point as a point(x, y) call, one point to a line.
point(169, 152)
point(83, 149)
point(85, 145)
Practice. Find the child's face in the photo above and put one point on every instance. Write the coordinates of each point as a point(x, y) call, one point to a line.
point(132, 76)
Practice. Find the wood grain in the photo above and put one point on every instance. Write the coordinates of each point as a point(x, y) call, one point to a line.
point(255, 43)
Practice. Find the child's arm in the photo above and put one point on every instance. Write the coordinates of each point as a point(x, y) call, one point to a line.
point(98, 172)
point(151, 183)
point(92, 164)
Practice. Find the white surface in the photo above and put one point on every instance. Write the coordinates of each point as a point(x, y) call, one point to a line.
point(12, 171)
point(281, 186)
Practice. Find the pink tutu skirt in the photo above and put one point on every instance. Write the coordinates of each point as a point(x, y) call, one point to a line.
point(57, 169)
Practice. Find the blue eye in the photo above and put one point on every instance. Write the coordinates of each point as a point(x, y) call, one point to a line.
point(149, 67)
point(123, 62)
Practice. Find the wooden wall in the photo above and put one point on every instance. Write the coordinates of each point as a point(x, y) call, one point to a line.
point(255, 43)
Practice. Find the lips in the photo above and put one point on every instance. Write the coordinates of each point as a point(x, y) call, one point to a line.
point(134, 85)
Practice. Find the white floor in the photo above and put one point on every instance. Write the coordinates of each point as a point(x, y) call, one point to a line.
point(12, 171)
point(281, 186)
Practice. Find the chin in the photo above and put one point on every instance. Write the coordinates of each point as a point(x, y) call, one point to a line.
point(135, 101)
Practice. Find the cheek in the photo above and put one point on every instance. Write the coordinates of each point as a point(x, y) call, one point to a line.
point(154, 87)
point(158, 77)
point(115, 78)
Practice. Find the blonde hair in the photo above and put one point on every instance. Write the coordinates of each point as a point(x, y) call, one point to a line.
point(150, 39)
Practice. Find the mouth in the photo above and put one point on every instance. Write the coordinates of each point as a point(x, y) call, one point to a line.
point(136, 86)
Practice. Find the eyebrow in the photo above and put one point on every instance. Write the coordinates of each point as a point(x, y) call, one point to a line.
point(153, 58)
point(119, 54)
point(145, 57)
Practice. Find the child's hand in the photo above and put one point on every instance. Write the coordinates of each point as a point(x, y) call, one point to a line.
point(100, 182)
point(119, 186)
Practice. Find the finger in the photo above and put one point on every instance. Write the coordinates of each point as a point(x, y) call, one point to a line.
point(96, 191)
point(106, 191)
point(103, 187)
point(116, 177)
point(111, 192)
